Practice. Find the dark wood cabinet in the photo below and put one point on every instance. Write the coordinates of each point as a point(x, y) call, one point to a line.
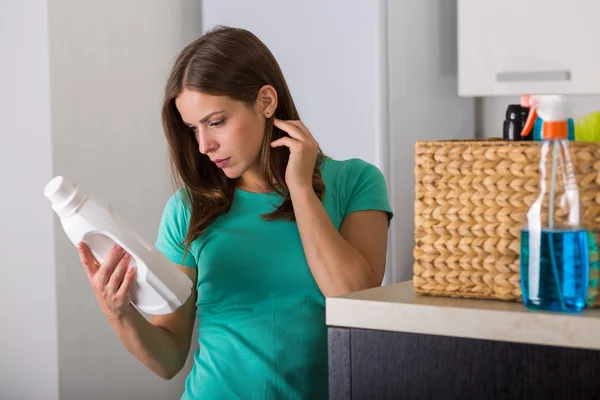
point(370, 364)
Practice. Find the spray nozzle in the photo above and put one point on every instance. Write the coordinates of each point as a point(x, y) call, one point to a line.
point(554, 111)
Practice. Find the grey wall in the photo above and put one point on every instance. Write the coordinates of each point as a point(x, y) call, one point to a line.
point(28, 354)
point(491, 110)
point(109, 62)
point(328, 53)
point(423, 105)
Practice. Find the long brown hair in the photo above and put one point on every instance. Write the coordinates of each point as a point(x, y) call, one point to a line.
point(229, 62)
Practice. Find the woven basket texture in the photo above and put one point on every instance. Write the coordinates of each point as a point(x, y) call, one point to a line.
point(471, 203)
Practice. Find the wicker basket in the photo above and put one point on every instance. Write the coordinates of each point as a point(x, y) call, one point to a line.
point(471, 201)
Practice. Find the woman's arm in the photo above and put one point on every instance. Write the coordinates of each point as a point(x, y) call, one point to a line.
point(345, 261)
point(163, 344)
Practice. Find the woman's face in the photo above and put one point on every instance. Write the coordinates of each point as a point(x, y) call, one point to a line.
point(227, 131)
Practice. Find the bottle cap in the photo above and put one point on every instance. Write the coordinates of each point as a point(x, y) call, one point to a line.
point(65, 196)
point(59, 190)
point(516, 112)
point(516, 115)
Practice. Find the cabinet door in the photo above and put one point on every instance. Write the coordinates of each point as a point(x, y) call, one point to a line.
point(512, 47)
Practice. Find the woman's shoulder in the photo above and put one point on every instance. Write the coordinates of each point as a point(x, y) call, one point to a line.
point(354, 168)
point(178, 204)
point(357, 184)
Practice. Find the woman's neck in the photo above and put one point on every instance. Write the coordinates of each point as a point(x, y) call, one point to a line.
point(252, 181)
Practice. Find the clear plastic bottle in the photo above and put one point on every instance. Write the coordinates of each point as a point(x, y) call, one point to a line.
point(160, 287)
point(554, 261)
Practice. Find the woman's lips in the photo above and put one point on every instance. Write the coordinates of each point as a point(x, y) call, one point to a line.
point(222, 163)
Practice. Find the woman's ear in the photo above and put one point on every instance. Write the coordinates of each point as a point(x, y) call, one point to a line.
point(266, 101)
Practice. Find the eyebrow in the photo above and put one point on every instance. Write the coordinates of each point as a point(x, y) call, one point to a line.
point(207, 117)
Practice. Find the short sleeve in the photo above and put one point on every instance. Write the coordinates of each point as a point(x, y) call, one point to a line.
point(365, 188)
point(173, 230)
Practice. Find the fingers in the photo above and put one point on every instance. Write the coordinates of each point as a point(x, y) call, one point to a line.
point(127, 281)
point(114, 282)
point(110, 281)
point(291, 128)
point(87, 260)
point(295, 145)
point(109, 265)
point(285, 141)
point(300, 125)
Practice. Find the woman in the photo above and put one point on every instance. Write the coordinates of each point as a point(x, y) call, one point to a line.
point(264, 224)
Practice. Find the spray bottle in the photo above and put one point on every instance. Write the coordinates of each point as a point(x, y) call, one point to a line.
point(554, 264)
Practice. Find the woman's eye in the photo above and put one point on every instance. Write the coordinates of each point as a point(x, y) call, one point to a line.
point(217, 123)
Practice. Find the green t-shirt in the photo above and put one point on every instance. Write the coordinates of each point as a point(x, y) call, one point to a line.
point(261, 315)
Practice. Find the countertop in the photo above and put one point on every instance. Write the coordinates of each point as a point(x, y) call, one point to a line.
point(398, 308)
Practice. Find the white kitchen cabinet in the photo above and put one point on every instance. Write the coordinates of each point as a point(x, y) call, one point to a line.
point(511, 47)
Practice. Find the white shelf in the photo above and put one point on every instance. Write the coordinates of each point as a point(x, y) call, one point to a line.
point(397, 308)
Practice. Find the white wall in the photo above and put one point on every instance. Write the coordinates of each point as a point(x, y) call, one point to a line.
point(82, 85)
point(28, 354)
point(491, 111)
point(109, 63)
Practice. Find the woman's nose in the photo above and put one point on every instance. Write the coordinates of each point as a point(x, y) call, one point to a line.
point(206, 144)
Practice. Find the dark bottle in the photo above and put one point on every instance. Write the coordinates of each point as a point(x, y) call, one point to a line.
point(516, 115)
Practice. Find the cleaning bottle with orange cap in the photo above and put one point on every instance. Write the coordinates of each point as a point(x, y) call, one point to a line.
point(554, 266)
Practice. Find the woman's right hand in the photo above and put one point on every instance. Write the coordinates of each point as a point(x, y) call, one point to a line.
point(110, 281)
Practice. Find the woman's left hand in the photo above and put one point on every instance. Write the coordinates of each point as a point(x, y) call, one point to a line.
point(303, 153)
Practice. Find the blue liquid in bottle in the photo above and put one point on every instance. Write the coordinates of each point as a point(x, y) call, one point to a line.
point(561, 284)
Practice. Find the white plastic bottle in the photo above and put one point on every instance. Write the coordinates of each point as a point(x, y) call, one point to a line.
point(160, 287)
